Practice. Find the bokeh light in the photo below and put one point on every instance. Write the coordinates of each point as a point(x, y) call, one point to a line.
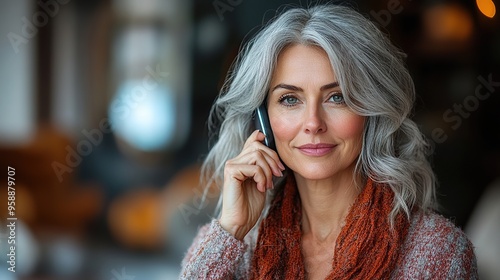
point(145, 119)
point(487, 7)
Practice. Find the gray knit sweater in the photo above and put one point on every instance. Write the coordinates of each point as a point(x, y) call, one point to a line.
point(434, 249)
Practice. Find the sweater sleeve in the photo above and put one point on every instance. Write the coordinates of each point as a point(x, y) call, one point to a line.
point(436, 249)
point(214, 254)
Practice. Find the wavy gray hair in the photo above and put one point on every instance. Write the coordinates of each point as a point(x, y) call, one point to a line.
point(375, 83)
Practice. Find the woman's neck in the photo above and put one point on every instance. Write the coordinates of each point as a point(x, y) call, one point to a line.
point(325, 205)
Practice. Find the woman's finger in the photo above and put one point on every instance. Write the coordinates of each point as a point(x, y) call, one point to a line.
point(243, 172)
point(254, 142)
point(262, 158)
point(256, 158)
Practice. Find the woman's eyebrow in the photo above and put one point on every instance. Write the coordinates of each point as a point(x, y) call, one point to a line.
point(295, 88)
point(329, 86)
point(286, 86)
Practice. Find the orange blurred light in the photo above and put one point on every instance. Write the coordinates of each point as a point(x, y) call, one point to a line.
point(448, 23)
point(487, 7)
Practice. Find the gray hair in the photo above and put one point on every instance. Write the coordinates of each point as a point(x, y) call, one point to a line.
point(375, 83)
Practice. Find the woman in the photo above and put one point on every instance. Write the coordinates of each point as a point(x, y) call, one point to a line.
point(348, 193)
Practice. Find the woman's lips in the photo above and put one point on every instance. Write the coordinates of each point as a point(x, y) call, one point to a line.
point(316, 150)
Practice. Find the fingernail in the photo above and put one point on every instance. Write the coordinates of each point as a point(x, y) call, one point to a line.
point(281, 165)
point(277, 173)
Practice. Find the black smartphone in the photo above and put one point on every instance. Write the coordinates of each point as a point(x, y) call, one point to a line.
point(262, 123)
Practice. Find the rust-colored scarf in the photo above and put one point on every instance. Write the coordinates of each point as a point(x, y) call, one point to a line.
point(366, 248)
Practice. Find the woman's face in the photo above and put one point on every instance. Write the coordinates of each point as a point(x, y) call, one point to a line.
point(317, 135)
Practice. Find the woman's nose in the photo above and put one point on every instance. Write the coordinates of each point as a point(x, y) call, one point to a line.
point(314, 120)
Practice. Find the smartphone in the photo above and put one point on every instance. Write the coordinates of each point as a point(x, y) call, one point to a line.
point(262, 123)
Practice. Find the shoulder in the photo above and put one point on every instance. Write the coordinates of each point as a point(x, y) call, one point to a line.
point(433, 228)
point(436, 248)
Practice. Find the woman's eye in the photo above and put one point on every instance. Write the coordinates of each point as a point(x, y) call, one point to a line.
point(337, 98)
point(289, 100)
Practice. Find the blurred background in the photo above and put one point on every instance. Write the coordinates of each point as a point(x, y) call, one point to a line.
point(103, 109)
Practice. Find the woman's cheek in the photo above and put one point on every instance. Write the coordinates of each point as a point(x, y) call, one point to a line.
point(349, 126)
point(283, 128)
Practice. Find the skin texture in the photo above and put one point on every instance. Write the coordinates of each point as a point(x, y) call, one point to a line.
point(305, 107)
point(310, 114)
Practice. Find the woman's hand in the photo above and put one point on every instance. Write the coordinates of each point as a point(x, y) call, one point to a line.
point(246, 179)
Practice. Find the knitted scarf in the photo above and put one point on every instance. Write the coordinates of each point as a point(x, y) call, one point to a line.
point(366, 248)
